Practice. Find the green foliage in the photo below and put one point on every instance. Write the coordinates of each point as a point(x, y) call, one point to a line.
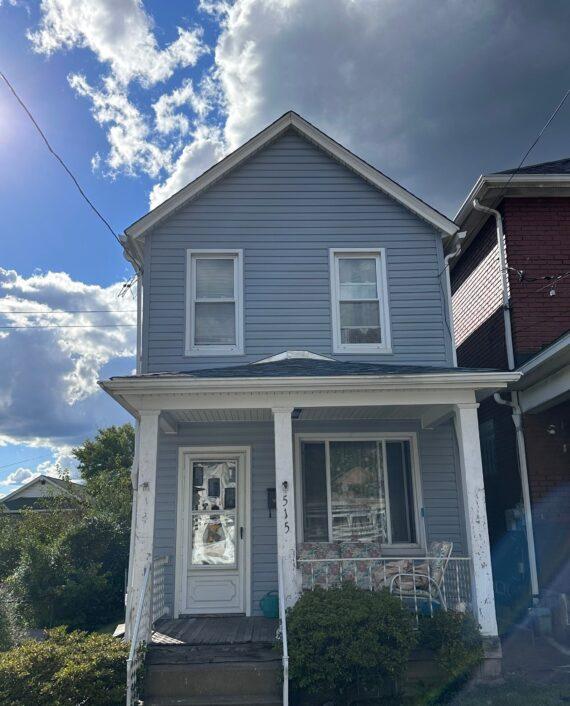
point(109, 454)
point(66, 669)
point(347, 638)
point(458, 646)
point(67, 566)
point(5, 632)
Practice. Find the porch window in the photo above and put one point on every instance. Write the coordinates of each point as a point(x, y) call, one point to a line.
point(358, 491)
point(215, 301)
point(359, 301)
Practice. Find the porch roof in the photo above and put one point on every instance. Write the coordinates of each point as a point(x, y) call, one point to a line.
point(308, 368)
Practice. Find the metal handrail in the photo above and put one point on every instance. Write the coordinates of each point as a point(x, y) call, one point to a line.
point(285, 648)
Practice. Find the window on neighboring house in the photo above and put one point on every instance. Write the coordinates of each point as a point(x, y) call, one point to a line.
point(215, 303)
point(488, 453)
point(359, 301)
point(361, 490)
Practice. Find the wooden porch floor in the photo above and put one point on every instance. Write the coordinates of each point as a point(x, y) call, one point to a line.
point(218, 630)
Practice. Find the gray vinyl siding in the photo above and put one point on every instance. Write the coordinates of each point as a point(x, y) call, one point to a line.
point(439, 473)
point(286, 207)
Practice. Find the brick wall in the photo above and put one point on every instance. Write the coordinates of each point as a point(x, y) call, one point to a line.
point(538, 242)
point(476, 296)
point(548, 459)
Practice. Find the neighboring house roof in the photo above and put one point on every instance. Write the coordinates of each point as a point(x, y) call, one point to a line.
point(28, 495)
point(558, 166)
point(270, 133)
point(544, 179)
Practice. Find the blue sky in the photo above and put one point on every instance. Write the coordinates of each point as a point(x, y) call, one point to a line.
point(140, 97)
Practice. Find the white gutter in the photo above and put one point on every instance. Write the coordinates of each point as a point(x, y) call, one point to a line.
point(448, 257)
point(521, 452)
point(504, 280)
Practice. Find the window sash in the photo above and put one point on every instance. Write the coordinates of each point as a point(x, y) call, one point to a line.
point(340, 297)
point(194, 347)
point(411, 508)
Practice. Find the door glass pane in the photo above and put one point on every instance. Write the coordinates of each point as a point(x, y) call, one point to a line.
point(215, 324)
point(357, 491)
point(315, 510)
point(214, 485)
point(402, 514)
point(214, 278)
point(213, 539)
point(357, 278)
point(359, 322)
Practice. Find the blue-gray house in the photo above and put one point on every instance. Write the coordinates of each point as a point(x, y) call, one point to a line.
point(300, 415)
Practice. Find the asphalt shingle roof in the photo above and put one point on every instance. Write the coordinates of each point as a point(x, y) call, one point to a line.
point(310, 368)
point(559, 166)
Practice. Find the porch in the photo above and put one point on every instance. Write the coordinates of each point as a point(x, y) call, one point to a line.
point(236, 475)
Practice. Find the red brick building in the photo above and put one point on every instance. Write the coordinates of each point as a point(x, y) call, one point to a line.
point(527, 472)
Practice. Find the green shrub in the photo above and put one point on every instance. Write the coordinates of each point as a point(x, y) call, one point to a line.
point(347, 639)
point(458, 646)
point(67, 669)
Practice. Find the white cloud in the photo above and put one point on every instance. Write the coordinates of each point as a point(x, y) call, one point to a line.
point(48, 388)
point(119, 33)
point(19, 476)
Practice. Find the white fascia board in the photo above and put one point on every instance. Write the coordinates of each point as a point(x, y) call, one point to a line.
point(31, 483)
point(555, 349)
point(337, 151)
point(180, 384)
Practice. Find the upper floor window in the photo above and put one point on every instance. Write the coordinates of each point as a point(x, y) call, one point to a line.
point(214, 302)
point(359, 301)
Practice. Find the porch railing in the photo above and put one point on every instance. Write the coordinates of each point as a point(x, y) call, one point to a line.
point(413, 580)
point(150, 607)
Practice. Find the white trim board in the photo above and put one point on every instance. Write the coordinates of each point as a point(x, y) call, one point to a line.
point(180, 572)
point(330, 146)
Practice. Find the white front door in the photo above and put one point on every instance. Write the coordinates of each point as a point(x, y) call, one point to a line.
point(214, 513)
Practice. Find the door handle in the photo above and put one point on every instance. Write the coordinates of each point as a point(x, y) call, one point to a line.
point(241, 532)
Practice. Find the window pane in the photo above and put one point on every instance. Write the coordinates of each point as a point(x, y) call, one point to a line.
point(214, 278)
point(213, 539)
point(357, 491)
point(215, 324)
point(401, 491)
point(315, 510)
point(214, 485)
point(357, 278)
point(360, 322)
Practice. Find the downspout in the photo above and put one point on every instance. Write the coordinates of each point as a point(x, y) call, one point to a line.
point(514, 403)
point(521, 450)
point(446, 262)
point(504, 281)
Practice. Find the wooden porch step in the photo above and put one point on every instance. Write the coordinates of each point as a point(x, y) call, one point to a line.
point(207, 679)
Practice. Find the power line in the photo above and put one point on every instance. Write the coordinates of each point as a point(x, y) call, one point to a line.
point(72, 311)
point(24, 460)
point(533, 145)
point(59, 159)
point(70, 326)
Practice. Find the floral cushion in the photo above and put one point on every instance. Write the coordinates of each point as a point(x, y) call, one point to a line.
point(357, 550)
point(318, 550)
point(316, 573)
point(439, 553)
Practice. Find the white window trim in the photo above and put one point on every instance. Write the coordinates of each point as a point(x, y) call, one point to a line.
point(411, 437)
point(212, 350)
point(379, 254)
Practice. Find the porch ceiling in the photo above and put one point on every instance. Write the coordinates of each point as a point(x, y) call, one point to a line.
point(309, 413)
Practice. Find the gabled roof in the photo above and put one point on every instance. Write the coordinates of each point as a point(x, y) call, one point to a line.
point(58, 486)
point(558, 166)
point(310, 132)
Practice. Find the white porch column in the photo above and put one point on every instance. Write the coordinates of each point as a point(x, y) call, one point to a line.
point(144, 501)
point(285, 495)
point(467, 429)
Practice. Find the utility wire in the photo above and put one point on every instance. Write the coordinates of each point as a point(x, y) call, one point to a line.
point(73, 311)
point(70, 326)
point(59, 159)
point(533, 145)
point(24, 460)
